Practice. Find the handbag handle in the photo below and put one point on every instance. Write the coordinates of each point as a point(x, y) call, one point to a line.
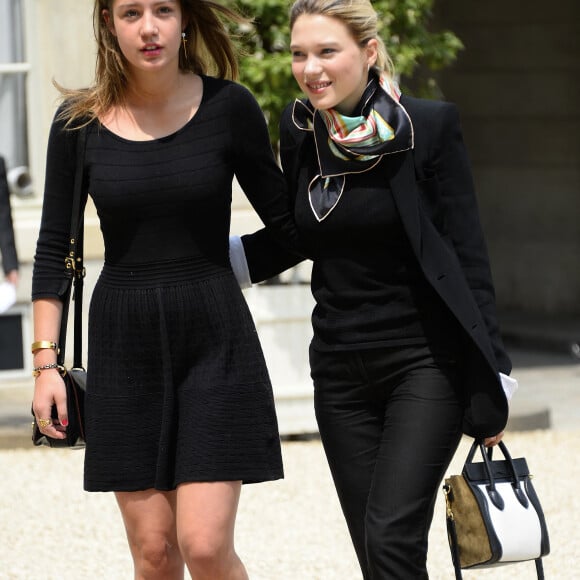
point(74, 269)
point(487, 455)
point(516, 484)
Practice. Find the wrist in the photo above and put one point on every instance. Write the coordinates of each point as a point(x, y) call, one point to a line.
point(38, 345)
point(36, 371)
point(43, 358)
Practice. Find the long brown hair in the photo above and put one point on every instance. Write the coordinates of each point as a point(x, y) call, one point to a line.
point(208, 50)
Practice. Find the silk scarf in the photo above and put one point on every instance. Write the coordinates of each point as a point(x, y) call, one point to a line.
point(379, 126)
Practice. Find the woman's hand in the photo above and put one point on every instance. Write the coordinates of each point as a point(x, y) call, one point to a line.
point(49, 389)
point(491, 441)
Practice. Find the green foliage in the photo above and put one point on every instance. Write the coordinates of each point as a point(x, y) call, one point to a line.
point(404, 26)
point(266, 61)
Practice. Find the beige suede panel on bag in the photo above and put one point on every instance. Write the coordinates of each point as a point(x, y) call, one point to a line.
point(474, 547)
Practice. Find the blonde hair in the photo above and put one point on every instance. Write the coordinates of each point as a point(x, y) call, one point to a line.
point(358, 16)
point(208, 50)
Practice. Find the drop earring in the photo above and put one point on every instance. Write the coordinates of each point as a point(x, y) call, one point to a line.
point(184, 44)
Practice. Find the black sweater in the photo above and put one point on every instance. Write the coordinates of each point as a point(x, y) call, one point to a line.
point(166, 199)
point(368, 286)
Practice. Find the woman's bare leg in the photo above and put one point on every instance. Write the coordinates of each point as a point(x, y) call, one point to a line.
point(149, 518)
point(206, 515)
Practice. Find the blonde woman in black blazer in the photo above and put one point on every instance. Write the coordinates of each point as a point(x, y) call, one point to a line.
point(406, 354)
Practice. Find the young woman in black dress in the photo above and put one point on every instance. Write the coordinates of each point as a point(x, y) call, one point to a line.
point(406, 353)
point(179, 406)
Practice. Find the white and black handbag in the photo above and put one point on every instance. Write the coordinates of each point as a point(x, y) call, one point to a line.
point(493, 514)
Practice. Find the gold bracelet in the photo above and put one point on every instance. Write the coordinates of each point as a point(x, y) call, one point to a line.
point(37, 370)
point(40, 344)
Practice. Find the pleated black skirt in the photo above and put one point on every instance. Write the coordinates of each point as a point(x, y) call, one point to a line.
point(177, 385)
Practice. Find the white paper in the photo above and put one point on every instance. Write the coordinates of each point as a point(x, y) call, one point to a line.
point(7, 296)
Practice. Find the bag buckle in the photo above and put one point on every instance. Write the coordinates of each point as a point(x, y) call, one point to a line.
point(447, 493)
point(76, 265)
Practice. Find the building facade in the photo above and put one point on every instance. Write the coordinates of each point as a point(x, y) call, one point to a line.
point(517, 84)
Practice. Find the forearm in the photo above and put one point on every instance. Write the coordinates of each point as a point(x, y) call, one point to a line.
point(49, 389)
point(256, 258)
point(266, 257)
point(47, 313)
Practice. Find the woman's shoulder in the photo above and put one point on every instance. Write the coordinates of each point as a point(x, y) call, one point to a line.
point(226, 88)
point(427, 110)
point(231, 99)
point(433, 121)
point(67, 122)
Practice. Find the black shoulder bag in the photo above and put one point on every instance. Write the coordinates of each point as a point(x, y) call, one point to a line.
point(74, 378)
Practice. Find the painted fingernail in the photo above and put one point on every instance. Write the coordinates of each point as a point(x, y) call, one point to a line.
point(64, 422)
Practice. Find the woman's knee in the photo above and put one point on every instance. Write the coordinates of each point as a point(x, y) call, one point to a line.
point(150, 525)
point(205, 549)
point(155, 555)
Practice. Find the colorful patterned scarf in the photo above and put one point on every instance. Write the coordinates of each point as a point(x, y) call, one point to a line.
point(380, 125)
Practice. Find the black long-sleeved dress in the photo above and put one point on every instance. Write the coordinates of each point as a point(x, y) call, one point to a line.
point(178, 389)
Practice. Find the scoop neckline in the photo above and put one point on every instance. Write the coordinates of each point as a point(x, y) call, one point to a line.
point(169, 135)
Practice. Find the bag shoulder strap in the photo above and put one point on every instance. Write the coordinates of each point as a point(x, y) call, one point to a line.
point(74, 269)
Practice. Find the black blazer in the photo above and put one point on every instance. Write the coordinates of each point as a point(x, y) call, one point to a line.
point(434, 193)
point(7, 245)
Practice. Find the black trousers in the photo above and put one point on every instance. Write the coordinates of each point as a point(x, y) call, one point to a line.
point(390, 421)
